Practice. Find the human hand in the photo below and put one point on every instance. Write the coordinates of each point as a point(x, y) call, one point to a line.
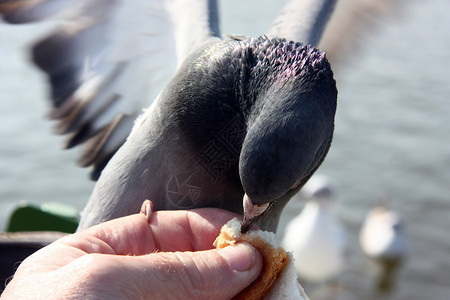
point(172, 257)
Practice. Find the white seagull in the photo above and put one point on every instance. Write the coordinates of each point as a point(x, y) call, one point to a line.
point(316, 237)
point(383, 239)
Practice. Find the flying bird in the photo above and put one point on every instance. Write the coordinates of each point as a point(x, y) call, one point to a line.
point(235, 122)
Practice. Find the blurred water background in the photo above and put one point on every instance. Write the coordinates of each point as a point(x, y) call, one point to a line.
point(391, 139)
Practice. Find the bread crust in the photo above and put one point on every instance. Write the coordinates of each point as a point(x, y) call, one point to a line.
point(274, 261)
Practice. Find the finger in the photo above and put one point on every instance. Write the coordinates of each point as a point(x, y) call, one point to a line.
point(192, 230)
point(147, 210)
point(209, 274)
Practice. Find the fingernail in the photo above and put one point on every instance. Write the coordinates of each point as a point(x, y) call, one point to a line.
point(240, 257)
point(147, 210)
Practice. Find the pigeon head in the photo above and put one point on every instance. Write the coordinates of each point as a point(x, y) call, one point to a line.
point(290, 127)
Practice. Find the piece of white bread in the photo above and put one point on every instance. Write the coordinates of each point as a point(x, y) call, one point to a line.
point(278, 279)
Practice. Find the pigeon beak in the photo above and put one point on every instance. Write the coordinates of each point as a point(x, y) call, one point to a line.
point(252, 213)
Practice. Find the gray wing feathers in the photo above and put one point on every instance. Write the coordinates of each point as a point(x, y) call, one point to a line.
point(350, 24)
point(303, 20)
point(194, 23)
point(107, 60)
point(17, 12)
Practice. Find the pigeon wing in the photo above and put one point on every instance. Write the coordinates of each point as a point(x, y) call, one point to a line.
point(107, 60)
point(303, 20)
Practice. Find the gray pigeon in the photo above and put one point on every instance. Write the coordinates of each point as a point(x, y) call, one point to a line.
point(241, 124)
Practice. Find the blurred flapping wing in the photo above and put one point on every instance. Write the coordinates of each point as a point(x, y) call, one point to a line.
point(303, 20)
point(107, 60)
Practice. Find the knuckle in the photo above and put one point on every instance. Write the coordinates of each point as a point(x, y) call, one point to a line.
point(185, 271)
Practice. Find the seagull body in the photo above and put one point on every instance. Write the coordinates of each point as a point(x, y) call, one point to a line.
point(382, 238)
point(382, 235)
point(316, 237)
point(240, 124)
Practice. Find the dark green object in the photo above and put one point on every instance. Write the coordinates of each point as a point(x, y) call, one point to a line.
point(47, 217)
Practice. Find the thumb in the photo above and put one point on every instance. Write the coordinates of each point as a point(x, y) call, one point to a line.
point(210, 274)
